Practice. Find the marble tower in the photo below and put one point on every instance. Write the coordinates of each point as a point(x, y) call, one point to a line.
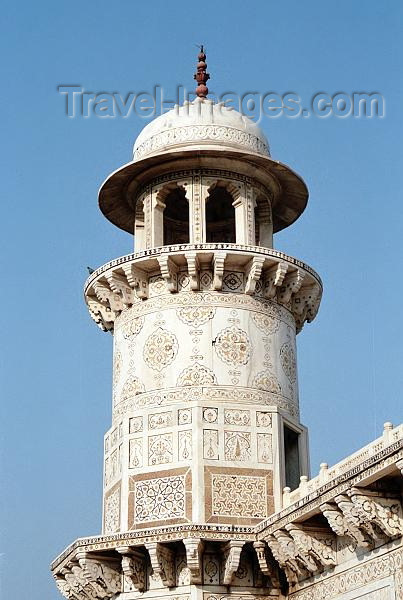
point(207, 489)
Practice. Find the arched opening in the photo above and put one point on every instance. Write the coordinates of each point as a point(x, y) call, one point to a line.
point(139, 231)
point(220, 216)
point(176, 218)
point(263, 223)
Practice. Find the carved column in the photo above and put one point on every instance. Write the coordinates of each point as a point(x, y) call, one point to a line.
point(157, 220)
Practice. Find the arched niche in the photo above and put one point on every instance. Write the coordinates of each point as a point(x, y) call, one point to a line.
point(220, 215)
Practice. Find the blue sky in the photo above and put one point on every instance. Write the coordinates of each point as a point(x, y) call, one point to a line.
point(55, 363)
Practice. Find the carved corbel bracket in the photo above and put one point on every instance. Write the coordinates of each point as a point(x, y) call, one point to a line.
point(291, 285)
point(107, 296)
point(342, 527)
point(194, 556)
point(162, 562)
point(274, 278)
point(282, 555)
point(218, 269)
point(312, 548)
point(103, 316)
point(133, 567)
point(102, 574)
point(232, 555)
point(253, 274)
point(193, 269)
point(137, 279)
point(305, 302)
point(169, 272)
point(384, 512)
point(120, 285)
point(298, 556)
point(266, 562)
point(356, 518)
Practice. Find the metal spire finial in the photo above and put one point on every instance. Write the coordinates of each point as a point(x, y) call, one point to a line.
point(201, 76)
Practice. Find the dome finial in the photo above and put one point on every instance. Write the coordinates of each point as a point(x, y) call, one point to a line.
point(201, 76)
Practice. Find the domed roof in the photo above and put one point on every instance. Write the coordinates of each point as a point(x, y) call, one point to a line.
point(201, 123)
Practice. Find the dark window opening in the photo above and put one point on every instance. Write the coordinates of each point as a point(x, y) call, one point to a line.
point(176, 218)
point(291, 453)
point(220, 217)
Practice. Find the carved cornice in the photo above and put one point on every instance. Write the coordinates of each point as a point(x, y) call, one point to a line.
point(217, 135)
point(125, 282)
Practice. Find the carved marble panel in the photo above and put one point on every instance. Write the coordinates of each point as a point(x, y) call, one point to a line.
point(232, 281)
point(239, 496)
point(112, 511)
point(211, 569)
point(264, 448)
point(160, 420)
point(263, 419)
point(210, 444)
point(159, 499)
point(184, 416)
point(236, 417)
point(160, 449)
point(237, 445)
point(185, 445)
point(136, 424)
point(210, 415)
point(160, 349)
point(135, 453)
point(233, 346)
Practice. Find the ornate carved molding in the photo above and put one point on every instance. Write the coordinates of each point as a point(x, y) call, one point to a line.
point(200, 134)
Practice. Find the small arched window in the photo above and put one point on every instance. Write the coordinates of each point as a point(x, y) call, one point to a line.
point(176, 218)
point(220, 216)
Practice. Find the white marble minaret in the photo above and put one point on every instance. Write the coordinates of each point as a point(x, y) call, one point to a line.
point(206, 442)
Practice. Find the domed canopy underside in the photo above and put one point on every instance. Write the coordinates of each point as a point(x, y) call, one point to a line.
point(117, 194)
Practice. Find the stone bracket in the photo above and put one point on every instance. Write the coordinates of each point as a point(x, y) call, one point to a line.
point(120, 285)
point(232, 555)
point(342, 527)
point(169, 271)
point(90, 577)
point(137, 279)
point(266, 562)
point(357, 519)
point(312, 547)
point(162, 562)
point(193, 269)
point(218, 269)
point(284, 556)
point(253, 274)
point(194, 555)
point(384, 512)
point(274, 279)
point(291, 285)
point(133, 567)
